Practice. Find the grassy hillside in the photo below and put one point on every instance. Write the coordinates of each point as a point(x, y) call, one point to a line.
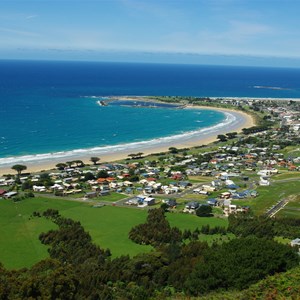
point(108, 226)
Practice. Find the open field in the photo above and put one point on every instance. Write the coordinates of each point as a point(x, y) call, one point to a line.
point(108, 226)
point(269, 195)
point(285, 174)
point(291, 210)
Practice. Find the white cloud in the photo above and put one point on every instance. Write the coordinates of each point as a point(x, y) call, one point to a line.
point(31, 17)
point(246, 29)
point(18, 32)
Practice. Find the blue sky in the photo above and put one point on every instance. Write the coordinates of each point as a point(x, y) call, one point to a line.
point(242, 32)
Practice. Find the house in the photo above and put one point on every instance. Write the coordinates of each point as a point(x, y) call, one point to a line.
point(171, 203)
point(144, 201)
point(216, 183)
point(204, 193)
point(37, 188)
point(10, 195)
point(264, 182)
point(128, 190)
point(192, 205)
point(184, 184)
point(2, 192)
point(208, 188)
point(149, 190)
point(264, 173)
point(104, 193)
point(232, 186)
point(212, 202)
point(149, 201)
point(91, 195)
point(134, 201)
point(295, 243)
point(225, 195)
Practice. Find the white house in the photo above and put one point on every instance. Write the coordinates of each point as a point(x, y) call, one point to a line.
point(264, 181)
point(37, 188)
point(295, 242)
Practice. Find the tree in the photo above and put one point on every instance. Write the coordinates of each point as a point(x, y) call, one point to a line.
point(156, 231)
point(94, 159)
point(204, 211)
point(136, 155)
point(173, 150)
point(231, 135)
point(69, 163)
point(79, 163)
point(61, 166)
point(164, 207)
point(238, 264)
point(139, 154)
point(102, 174)
point(19, 168)
point(88, 176)
point(222, 138)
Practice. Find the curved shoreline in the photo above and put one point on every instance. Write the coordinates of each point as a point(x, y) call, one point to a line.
point(235, 121)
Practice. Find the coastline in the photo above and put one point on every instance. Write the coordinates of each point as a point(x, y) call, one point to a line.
point(188, 140)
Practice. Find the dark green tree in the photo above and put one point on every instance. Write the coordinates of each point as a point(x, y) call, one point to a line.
point(102, 174)
point(173, 150)
point(156, 230)
point(61, 166)
point(231, 135)
point(222, 138)
point(94, 159)
point(19, 168)
point(238, 264)
point(204, 211)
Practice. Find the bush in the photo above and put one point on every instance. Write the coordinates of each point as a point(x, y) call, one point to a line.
point(204, 211)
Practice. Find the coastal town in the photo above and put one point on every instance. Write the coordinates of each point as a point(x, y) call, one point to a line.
point(149, 150)
point(239, 172)
point(230, 207)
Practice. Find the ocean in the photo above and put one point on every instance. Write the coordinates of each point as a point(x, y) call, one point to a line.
point(50, 108)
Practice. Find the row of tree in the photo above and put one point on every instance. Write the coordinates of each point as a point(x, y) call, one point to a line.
point(244, 225)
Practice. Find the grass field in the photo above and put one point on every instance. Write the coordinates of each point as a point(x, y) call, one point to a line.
point(291, 210)
point(269, 195)
point(108, 226)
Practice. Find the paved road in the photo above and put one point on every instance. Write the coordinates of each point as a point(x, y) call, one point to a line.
point(276, 208)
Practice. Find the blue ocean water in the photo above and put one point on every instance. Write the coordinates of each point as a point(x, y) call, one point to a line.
point(48, 107)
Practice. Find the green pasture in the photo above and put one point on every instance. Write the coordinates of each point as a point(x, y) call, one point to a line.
point(291, 151)
point(291, 210)
point(108, 226)
point(285, 174)
point(269, 195)
point(189, 221)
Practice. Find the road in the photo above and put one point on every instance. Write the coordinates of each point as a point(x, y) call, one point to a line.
point(276, 208)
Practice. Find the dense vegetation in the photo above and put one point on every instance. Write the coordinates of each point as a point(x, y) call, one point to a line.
point(155, 231)
point(262, 227)
point(78, 269)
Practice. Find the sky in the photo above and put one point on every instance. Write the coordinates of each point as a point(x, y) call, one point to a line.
point(234, 32)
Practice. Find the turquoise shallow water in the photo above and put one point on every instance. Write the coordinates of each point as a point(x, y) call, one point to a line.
point(62, 124)
point(51, 107)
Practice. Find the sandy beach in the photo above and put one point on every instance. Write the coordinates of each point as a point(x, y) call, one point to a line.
point(241, 120)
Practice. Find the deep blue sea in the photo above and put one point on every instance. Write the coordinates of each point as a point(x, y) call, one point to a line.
point(49, 107)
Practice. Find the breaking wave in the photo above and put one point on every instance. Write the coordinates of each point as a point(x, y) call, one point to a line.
point(230, 120)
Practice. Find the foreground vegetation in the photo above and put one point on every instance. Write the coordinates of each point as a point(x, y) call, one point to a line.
point(109, 227)
point(178, 264)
